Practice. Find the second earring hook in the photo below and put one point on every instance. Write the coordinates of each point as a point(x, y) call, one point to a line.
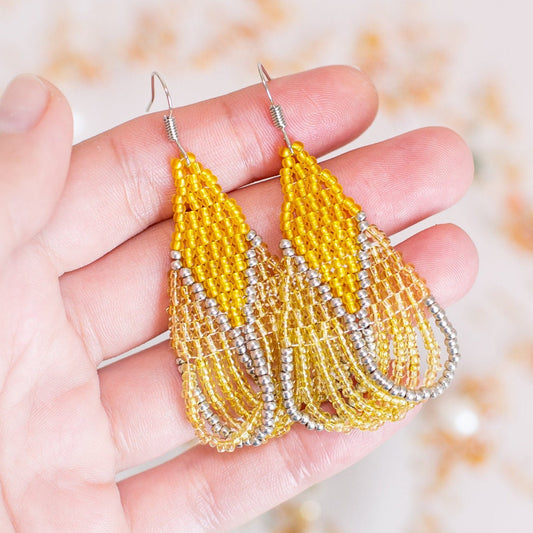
point(276, 112)
point(169, 120)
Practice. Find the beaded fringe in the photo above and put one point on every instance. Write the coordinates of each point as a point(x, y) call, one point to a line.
point(331, 335)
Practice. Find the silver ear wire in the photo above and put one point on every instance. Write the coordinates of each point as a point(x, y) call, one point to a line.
point(169, 120)
point(276, 112)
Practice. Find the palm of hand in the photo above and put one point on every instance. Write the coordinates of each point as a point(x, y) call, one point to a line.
point(67, 428)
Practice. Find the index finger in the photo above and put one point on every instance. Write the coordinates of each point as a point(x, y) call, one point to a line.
point(119, 182)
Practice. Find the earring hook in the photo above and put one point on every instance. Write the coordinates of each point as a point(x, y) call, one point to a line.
point(276, 112)
point(169, 120)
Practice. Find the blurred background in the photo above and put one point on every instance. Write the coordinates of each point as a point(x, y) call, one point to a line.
point(466, 463)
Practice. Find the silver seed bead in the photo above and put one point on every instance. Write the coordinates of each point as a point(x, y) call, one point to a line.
point(366, 264)
point(365, 246)
point(362, 274)
point(448, 375)
point(261, 370)
point(434, 308)
point(269, 406)
point(222, 318)
point(285, 377)
point(453, 352)
point(251, 336)
point(197, 287)
point(285, 243)
point(175, 254)
point(184, 272)
point(450, 365)
point(363, 226)
point(188, 280)
point(410, 395)
point(388, 384)
point(368, 333)
point(289, 252)
point(226, 326)
point(326, 296)
point(360, 216)
point(365, 303)
point(365, 323)
point(247, 329)
point(287, 367)
point(298, 259)
point(268, 397)
point(312, 274)
point(260, 361)
point(250, 235)
point(358, 344)
point(296, 417)
point(419, 396)
point(335, 302)
point(287, 395)
point(371, 366)
point(349, 318)
point(253, 345)
point(264, 380)
point(319, 427)
point(402, 391)
point(362, 255)
point(440, 316)
point(426, 393)
point(365, 283)
point(314, 282)
point(210, 302)
point(241, 350)
point(175, 265)
point(361, 238)
point(286, 352)
point(249, 272)
point(362, 293)
point(311, 425)
point(361, 314)
point(252, 261)
point(287, 385)
point(304, 419)
point(256, 241)
point(200, 296)
point(267, 388)
point(302, 268)
point(430, 300)
point(394, 390)
point(253, 280)
point(339, 311)
point(250, 253)
point(454, 358)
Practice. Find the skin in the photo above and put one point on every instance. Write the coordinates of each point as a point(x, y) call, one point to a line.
point(83, 262)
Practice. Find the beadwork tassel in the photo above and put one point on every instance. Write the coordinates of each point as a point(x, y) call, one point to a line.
point(223, 300)
point(352, 313)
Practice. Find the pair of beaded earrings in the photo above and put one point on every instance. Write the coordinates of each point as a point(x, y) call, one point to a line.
point(329, 336)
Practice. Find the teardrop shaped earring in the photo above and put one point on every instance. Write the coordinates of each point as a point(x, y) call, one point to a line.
point(221, 313)
point(354, 317)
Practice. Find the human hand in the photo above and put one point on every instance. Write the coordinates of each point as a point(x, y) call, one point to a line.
point(84, 236)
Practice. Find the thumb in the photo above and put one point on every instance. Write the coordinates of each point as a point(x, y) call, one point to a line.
point(35, 147)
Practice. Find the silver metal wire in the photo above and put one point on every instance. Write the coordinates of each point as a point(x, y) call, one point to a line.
point(276, 112)
point(169, 120)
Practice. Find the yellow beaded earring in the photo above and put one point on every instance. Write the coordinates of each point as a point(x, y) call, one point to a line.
point(354, 317)
point(221, 313)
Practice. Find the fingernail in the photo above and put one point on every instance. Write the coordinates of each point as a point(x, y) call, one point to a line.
point(23, 104)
